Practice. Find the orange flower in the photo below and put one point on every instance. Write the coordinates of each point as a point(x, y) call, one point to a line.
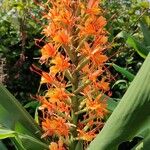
point(88, 29)
point(99, 58)
point(76, 40)
point(45, 105)
point(100, 41)
point(99, 23)
point(93, 7)
point(86, 136)
point(55, 126)
point(64, 18)
point(62, 37)
point(55, 146)
point(93, 26)
point(93, 76)
point(103, 85)
point(97, 106)
point(53, 106)
point(94, 54)
point(46, 78)
point(51, 30)
point(60, 64)
point(93, 104)
point(47, 51)
point(57, 94)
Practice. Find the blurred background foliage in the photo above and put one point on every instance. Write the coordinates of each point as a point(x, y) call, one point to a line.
point(18, 29)
point(125, 16)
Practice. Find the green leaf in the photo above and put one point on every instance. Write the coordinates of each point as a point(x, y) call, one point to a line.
point(123, 84)
point(2, 146)
point(36, 116)
point(32, 104)
point(12, 114)
point(122, 34)
point(130, 115)
point(17, 143)
point(112, 104)
point(6, 133)
point(6, 119)
point(25, 142)
point(124, 72)
point(141, 49)
point(79, 145)
point(146, 33)
point(31, 143)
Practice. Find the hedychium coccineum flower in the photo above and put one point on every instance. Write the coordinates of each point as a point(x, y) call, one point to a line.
point(73, 105)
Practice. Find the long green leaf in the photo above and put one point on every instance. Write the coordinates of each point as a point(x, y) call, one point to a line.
point(13, 115)
point(30, 143)
point(6, 133)
point(17, 143)
point(124, 72)
point(24, 141)
point(130, 115)
point(141, 49)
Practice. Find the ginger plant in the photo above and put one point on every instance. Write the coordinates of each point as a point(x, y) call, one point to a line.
point(73, 107)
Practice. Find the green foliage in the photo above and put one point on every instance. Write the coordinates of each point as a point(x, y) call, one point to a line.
point(146, 33)
point(17, 124)
point(131, 114)
point(18, 30)
point(143, 48)
point(23, 141)
point(125, 15)
point(14, 116)
point(124, 72)
point(6, 133)
point(79, 146)
point(2, 146)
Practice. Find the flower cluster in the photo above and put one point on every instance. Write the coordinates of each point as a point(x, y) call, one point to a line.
point(73, 105)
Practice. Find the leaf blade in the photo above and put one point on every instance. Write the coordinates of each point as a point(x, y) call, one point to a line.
point(124, 72)
point(130, 114)
point(12, 109)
